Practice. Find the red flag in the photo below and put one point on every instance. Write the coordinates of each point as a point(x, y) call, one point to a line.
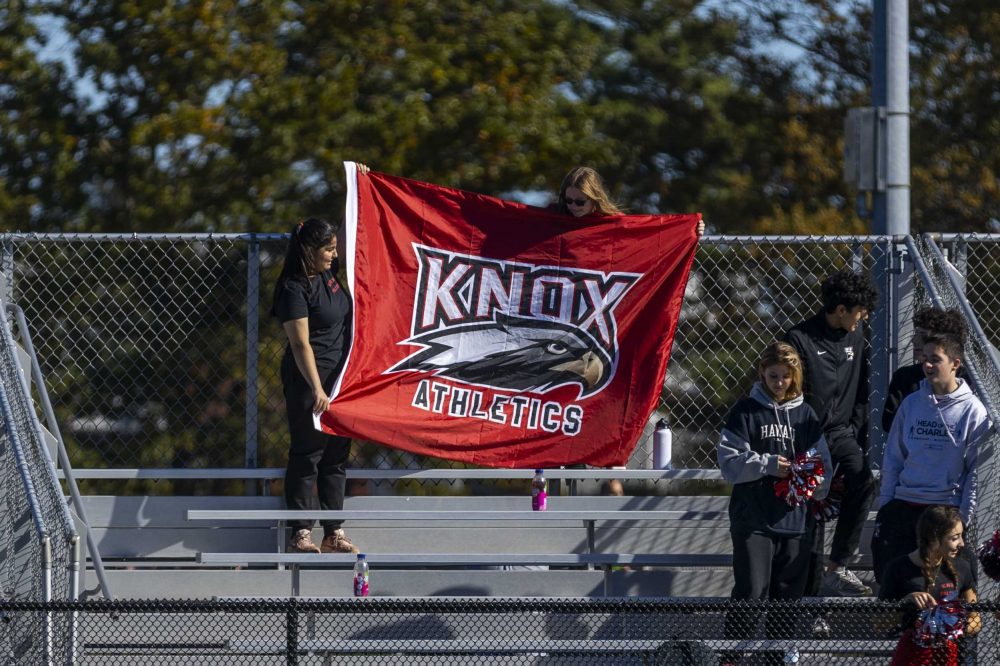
point(501, 334)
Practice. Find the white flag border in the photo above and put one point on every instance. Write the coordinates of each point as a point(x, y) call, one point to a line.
point(351, 241)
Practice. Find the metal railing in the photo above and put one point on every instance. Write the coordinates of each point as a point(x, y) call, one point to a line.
point(39, 548)
point(29, 366)
point(973, 262)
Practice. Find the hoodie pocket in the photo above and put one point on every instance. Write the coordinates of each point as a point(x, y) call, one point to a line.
point(755, 506)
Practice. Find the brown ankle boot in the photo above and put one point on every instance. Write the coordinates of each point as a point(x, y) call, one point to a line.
point(337, 542)
point(302, 542)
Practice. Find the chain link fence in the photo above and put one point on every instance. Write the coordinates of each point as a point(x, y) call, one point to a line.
point(37, 537)
point(953, 277)
point(22, 534)
point(160, 351)
point(493, 631)
point(143, 344)
point(973, 263)
point(976, 259)
point(743, 293)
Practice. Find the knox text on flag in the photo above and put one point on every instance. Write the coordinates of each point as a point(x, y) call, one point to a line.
point(501, 334)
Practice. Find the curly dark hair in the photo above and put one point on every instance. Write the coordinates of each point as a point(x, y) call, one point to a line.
point(850, 289)
point(936, 321)
point(951, 345)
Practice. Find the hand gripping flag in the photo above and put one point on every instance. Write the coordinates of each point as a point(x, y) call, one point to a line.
point(500, 334)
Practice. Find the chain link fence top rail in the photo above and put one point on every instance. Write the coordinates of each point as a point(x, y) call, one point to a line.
point(144, 344)
point(665, 632)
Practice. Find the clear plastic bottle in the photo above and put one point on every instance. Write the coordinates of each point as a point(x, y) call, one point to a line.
point(792, 656)
point(539, 498)
point(361, 576)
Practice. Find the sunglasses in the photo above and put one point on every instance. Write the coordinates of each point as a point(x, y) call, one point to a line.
point(576, 202)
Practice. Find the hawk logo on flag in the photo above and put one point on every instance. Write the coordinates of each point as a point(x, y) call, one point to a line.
point(512, 325)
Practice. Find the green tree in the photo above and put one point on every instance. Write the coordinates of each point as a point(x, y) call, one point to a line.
point(954, 132)
point(692, 112)
point(237, 116)
point(164, 129)
point(955, 128)
point(38, 130)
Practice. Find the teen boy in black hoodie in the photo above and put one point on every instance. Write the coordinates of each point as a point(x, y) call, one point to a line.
point(832, 346)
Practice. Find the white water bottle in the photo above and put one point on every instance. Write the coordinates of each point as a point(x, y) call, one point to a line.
point(539, 498)
point(662, 445)
point(361, 576)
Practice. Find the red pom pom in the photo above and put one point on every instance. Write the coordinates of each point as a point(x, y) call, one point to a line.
point(989, 556)
point(806, 476)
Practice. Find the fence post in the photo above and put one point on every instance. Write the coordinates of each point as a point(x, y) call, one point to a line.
point(905, 302)
point(47, 637)
point(253, 357)
point(882, 344)
point(6, 270)
point(292, 632)
point(960, 258)
point(74, 595)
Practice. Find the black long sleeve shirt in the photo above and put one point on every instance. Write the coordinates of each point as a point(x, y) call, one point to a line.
point(836, 368)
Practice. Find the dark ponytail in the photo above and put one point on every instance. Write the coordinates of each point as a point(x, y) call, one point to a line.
point(307, 236)
point(933, 526)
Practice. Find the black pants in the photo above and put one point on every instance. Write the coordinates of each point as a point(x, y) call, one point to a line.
point(859, 490)
point(766, 567)
point(314, 458)
point(895, 535)
point(817, 539)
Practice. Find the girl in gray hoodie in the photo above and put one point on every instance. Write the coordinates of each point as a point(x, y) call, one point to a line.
point(930, 455)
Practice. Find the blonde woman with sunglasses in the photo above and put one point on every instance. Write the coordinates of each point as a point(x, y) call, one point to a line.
point(582, 193)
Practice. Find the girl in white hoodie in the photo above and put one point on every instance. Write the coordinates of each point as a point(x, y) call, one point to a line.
point(930, 455)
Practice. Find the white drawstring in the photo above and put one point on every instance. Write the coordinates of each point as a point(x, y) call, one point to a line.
point(788, 420)
point(944, 422)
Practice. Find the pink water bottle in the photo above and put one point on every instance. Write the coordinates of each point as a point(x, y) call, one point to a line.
point(361, 576)
point(538, 494)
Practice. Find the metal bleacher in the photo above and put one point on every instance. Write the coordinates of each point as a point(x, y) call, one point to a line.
point(148, 547)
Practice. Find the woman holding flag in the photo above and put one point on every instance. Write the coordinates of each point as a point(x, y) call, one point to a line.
point(315, 315)
point(582, 193)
